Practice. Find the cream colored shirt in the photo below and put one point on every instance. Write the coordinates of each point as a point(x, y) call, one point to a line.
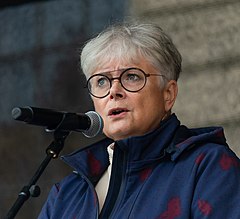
point(102, 186)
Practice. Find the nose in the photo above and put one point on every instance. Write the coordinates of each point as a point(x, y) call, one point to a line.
point(116, 90)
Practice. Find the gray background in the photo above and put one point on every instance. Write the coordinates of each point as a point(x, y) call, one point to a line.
point(39, 66)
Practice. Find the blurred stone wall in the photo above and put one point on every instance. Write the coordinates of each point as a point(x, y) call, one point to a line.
point(207, 35)
point(39, 61)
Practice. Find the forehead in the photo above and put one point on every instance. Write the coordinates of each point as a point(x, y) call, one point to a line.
point(115, 66)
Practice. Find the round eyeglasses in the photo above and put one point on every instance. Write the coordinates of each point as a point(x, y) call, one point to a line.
point(131, 79)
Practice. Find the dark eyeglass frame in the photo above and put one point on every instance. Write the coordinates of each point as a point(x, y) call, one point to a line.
point(88, 85)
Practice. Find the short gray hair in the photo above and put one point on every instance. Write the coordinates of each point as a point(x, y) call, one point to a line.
point(127, 42)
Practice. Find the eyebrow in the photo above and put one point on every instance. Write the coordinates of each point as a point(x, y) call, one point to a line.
point(109, 72)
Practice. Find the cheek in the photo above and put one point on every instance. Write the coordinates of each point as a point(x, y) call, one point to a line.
point(100, 107)
point(153, 104)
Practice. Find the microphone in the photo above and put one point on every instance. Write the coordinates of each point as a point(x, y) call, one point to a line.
point(90, 124)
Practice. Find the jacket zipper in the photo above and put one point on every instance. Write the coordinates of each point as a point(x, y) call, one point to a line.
point(117, 182)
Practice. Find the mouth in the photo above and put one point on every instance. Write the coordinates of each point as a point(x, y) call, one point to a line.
point(117, 111)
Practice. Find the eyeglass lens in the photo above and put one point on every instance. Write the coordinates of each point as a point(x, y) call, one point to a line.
point(132, 80)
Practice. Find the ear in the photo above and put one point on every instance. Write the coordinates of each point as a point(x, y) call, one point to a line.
point(170, 94)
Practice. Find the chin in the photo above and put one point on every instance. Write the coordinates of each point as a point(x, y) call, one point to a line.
point(118, 135)
point(122, 135)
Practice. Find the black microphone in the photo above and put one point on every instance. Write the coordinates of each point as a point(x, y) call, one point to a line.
point(90, 123)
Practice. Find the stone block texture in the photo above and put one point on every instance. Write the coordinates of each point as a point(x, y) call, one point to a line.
point(207, 35)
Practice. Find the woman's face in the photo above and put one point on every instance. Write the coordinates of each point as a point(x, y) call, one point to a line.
point(128, 114)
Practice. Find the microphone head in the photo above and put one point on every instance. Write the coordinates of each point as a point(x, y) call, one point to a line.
point(96, 124)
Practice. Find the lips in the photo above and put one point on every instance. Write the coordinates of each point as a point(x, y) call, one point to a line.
point(117, 111)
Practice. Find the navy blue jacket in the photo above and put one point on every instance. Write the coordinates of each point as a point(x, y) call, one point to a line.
point(171, 173)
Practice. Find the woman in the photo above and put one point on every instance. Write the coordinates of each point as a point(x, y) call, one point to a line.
point(149, 166)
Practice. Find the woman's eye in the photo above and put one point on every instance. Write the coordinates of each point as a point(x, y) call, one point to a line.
point(133, 77)
point(101, 82)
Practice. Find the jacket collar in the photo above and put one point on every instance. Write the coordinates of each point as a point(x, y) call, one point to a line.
point(170, 139)
point(150, 146)
point(92, 161)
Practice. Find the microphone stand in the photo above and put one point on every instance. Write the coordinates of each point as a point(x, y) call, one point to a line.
point(31, 189)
